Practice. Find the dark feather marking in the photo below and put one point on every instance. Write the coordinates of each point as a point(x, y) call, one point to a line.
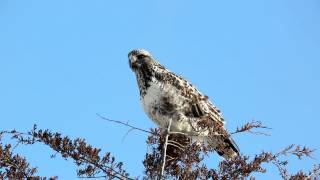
point(166, 107)
point(196, 111)
point(159, 76)
point(146, 74)
point(232, 144)
point(221, 153)
point(225, 145)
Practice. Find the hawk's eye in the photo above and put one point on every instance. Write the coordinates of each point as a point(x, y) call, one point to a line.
point(141, 56)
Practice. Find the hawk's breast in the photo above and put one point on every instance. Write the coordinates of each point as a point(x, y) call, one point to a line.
point(163, 101)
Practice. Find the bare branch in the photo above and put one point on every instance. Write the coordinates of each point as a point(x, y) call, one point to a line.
point(165, 145)
point(124, 123)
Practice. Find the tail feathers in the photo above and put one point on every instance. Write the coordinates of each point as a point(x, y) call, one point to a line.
point(224, 146)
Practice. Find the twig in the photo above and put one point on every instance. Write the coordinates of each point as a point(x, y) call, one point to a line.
point(165, 145)
point(181, 133)
point(34, 137)
point(124, 137)
point(123, 123)
point(106, 169)
point(93, 177)
point(252, 125)
point(175, 144)
point(297, 150)
point(169, 157)
point(315, 172)
point(171, 144)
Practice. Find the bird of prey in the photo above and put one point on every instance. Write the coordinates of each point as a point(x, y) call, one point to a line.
point(166, 97)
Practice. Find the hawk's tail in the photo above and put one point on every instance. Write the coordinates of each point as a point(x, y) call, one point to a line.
point(224, 145)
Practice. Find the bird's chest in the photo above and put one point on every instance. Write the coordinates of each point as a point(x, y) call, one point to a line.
point(162, 102)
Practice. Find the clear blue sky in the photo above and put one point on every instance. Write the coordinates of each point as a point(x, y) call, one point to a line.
point(63, 61)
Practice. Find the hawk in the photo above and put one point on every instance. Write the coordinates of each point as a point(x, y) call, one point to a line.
point(166, 97)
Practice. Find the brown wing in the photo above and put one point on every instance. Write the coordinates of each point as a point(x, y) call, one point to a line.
point(199, 108)
point(199, 103)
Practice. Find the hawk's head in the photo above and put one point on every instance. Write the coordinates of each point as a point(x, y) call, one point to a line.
point(139, 58)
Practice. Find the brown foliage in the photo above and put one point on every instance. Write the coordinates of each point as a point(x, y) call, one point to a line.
point(88, 159)
point(14, 166)
point(184, 158)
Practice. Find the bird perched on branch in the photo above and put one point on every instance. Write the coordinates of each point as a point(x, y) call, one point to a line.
point(166, 96)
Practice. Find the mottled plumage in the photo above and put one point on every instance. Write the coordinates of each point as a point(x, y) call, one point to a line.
point(165, 95)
